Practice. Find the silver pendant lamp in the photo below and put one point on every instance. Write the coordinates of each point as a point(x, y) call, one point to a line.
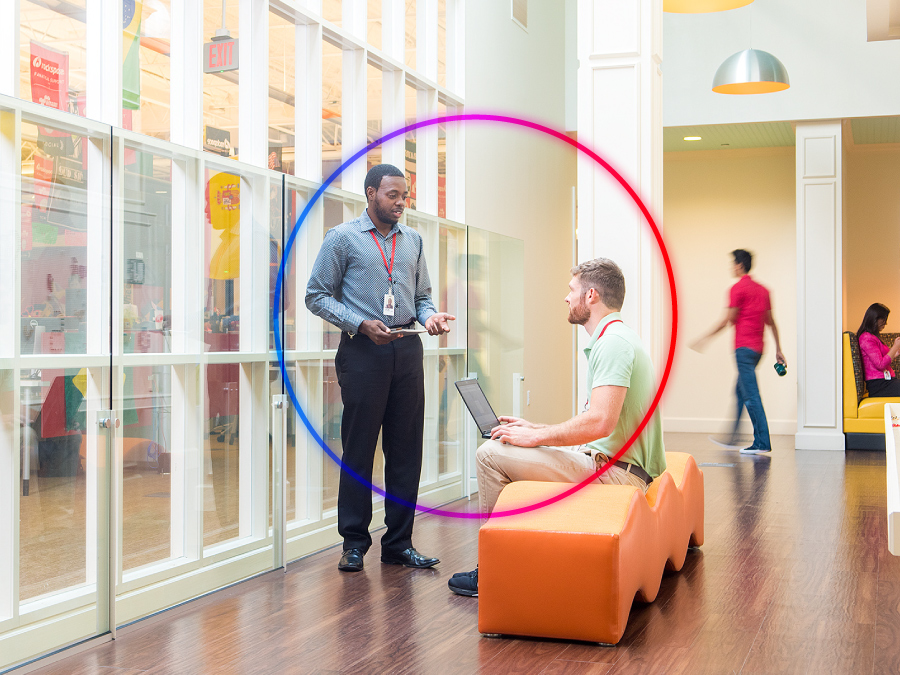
point(751, 71)
point(701, 6)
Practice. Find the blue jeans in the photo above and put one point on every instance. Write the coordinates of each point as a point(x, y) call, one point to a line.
point(747, 393)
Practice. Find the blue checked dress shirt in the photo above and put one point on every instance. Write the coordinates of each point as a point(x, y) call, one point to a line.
point(349, 279)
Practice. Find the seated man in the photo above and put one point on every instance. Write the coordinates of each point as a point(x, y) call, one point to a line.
point(620, 377)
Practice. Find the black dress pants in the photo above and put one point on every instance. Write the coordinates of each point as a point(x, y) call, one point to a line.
point(882, 387)
point(383, 389)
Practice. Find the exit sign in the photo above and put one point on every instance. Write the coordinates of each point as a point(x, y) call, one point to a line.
point(220, 55)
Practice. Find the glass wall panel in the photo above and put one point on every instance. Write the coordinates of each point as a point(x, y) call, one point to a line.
point(293, 306)
point(332, 410)
point(54, 272)
point(220, 90)
point(451, 280)
point(332, 125)
point(451, 369)
point(442, 162)
point(496, 276)
point(146, 68)
point(147, 241)
point(331, 11)
point(336, 212)
point(146, 461)
point(375, 83)
point(410, 137)
point(223, 261)
point(410, 59)
point(282, 132)
point(222, 454)
point(373, 34)
point(442, 42)
point(53, 49)
point(53, 515)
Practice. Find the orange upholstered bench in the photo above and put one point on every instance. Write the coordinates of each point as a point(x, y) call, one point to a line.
point(572, 569)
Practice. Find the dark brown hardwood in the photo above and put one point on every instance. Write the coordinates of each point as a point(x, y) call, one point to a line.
point(794, 577)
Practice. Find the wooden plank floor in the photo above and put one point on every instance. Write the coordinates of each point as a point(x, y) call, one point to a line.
point(794, 577)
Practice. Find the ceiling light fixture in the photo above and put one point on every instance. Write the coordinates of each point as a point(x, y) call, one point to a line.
point(693, 138)
point(751, 71)
point(702, 6)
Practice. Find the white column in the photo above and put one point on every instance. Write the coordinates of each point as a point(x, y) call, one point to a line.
point(427, 153)
point(393, 29)
point(354, 15)
point(10, 24)
point(186, 92)
point(103, 100)
point(353, 114)
point(253, 91)
point(456, 47)
point(308, 102)
point(819, 280)
point(619, 117)
point(427, 39)
point(393, 115)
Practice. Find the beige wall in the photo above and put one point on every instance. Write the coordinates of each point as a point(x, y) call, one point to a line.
point(872, 233)
point(716, 202)
point(519, 183)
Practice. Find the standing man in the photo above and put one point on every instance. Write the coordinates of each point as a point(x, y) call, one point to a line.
point(620, 389)
point(750, 310)
point(370, 278)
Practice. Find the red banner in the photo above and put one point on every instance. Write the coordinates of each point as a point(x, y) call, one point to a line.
point(49, 76)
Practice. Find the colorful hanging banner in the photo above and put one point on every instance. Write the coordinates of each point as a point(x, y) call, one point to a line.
point(49, 76)
point(131, 54)
point(223, 209)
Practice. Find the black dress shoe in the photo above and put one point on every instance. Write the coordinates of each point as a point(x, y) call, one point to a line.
point(464, 583)
point(352, 560)
point(409, 558)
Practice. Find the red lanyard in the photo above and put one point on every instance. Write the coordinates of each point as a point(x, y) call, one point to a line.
point(390, 267)
point(607, 326)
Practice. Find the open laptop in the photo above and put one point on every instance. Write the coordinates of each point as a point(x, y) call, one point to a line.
point(477, 403)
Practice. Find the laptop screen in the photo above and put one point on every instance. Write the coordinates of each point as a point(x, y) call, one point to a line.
point(478, 405)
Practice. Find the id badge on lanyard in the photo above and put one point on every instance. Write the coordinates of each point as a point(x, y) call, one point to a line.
point(389, 302)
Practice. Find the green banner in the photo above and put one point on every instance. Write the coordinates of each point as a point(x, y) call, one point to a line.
point(131, 51)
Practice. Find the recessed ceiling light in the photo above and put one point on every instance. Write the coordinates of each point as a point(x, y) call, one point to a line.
point(693, 138)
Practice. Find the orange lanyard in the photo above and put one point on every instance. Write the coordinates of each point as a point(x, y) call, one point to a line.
point(390, 267)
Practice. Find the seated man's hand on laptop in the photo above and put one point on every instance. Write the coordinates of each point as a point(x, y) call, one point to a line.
point(517, 432)
point(518, 422)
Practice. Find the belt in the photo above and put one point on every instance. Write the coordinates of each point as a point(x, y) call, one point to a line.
point(630, 468)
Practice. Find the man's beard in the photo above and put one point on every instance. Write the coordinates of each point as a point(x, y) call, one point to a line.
point(385, 216)
point(579, 314)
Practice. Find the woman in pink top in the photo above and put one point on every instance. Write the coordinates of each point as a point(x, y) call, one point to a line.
point(881, 380)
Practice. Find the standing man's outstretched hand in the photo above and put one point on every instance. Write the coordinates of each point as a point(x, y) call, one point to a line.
point(437, 324)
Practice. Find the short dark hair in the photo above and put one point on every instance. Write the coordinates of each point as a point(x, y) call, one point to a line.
point(605, 277)
point(742, 257)
point(379, 171)
point(869, 324)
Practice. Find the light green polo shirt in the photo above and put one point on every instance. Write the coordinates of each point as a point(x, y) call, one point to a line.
point(619, 359)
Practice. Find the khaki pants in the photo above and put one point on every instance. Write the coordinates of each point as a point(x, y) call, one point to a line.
point(500, 464)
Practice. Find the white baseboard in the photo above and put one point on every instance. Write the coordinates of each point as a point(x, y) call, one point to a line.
point(819, 440)
point(709, 425)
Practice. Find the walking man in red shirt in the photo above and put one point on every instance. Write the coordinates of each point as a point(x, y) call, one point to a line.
point(750, 310)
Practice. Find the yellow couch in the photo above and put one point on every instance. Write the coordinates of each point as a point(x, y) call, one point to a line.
point(863, 414)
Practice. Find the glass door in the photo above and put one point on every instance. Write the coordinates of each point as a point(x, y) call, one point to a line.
point(496, 328)
point(54, 383)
